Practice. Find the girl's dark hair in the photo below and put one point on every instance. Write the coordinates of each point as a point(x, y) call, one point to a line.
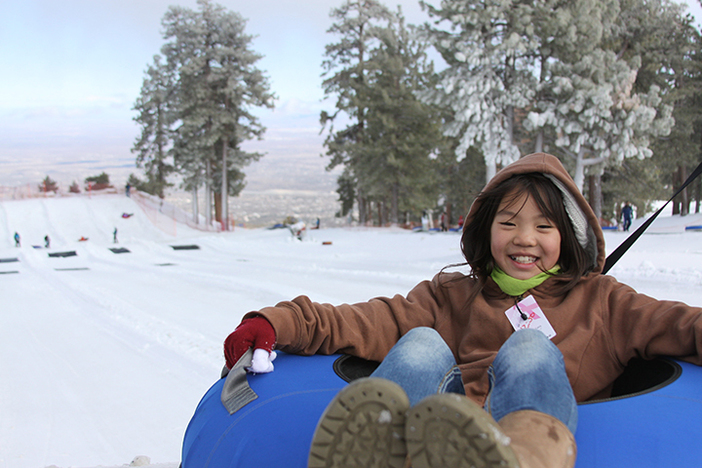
point(475, 241)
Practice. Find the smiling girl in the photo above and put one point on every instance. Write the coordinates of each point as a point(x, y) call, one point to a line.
point(483, 369)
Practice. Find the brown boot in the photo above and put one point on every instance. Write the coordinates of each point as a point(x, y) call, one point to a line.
point(450, 431)
point(363, 427)
point(539, 440)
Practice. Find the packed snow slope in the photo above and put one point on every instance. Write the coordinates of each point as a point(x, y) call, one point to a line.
point(105, 355)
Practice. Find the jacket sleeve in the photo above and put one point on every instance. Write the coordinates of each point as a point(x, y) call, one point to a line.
point(642, 326)
point(366, 329)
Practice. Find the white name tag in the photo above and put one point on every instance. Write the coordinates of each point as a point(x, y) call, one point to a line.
point(535, 318)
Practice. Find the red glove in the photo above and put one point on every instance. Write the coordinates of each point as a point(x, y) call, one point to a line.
point(255, 332)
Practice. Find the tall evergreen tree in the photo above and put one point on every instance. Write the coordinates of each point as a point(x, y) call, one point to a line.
point(154, 107)
point(590, 105)
point(378, 67)
point(565, 31)
point(488, 48)
point(345, 70)
point(679, 54)
point(402, 133)
point(48, 185)
point(217, 87)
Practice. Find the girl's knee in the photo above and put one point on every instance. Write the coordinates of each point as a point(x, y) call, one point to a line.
point(528, 336)
point(529, 348)
point(422, 347)
point(423, 336)
point(528, 340)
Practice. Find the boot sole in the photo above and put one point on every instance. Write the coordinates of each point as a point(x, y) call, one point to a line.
point(450, 431)
point(363, 426)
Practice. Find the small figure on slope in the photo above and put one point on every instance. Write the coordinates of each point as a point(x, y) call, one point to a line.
point(299, 229)
point(627, 213)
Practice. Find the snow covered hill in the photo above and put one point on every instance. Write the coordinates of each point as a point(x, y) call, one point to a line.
point(105, 355)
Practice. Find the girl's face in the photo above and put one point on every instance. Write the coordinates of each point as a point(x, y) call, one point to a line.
point(523, 242)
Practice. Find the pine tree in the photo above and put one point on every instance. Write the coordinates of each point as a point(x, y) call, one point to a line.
point(459, 182)
point(98, 182)
point(216, 90)
point(594, 115)
point(591, 102)
point(386, 152)
point(48, 185)
point(566, 31)
point(679, 55)
point(357, 23)
point(402, 133)
point(488, 47)
point(155, 117)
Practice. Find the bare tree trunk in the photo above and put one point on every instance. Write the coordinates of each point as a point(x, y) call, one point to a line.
point(579, 177)
point(208, 194)
point(595, 194)
point(362, 213)
point(510, 123)
point(490, 171)
point(218, 207)
point(225, 190)
point(684, 195)
point(196, 208)
point(676, 184)
point(449, 214)
point(539, 142)
point(394, 205)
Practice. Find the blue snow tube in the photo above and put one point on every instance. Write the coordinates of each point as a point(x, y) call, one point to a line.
point(275, 429)
point(654, 421)
point(656, 424)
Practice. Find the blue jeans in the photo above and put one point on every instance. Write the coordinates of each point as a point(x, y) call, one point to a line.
point(527, 373)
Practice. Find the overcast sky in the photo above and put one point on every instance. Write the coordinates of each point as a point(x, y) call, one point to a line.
point(70, 71)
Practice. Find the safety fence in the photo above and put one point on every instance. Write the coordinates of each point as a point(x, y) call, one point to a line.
point(162, 214)
point(165, 215)
point(19, 192)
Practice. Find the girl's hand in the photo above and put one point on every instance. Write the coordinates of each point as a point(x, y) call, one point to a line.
point(256, 333)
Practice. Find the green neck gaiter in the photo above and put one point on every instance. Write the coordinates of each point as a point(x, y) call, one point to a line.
point(516, 287)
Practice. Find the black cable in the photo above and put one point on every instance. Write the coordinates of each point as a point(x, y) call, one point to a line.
point(624, 246)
